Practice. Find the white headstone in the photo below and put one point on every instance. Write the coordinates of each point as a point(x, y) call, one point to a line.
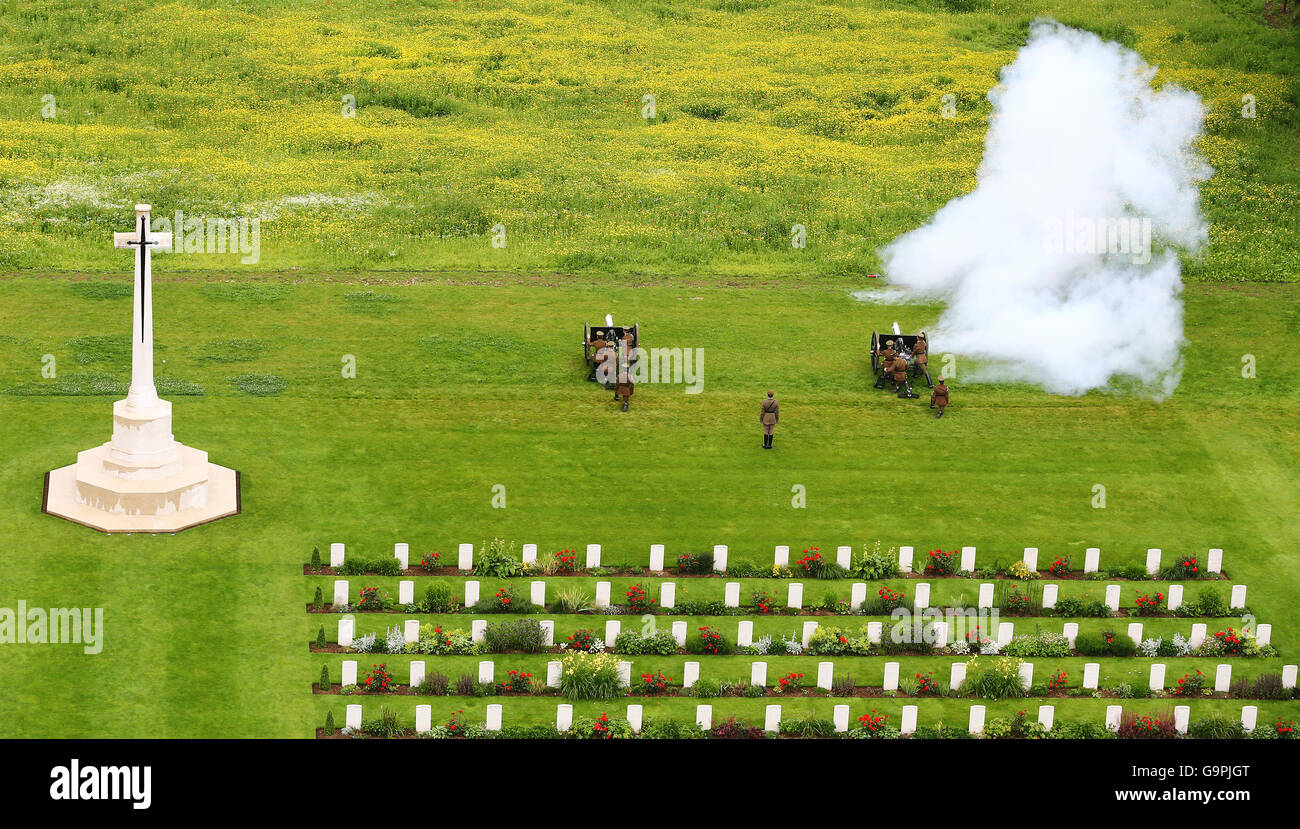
point(986, 596)
point(346, 627)
point(857, 595)
point(874, 631)
point(679, 633)
point(402, 552)
point(471, 593)
point(907, 724)
point(809, 628)
point(905, 559)
point(1027, 675)
point(465, 557)
point(1182, 716)
point(704, 717)
point(563, 717)
point(731, 594)
point(720, 557)
point(1215, 564)
point(613, 628)
point(1091, 673)
point(781, 558)
point(772, 719)
point(891, 676)
point(1112, 597)
point(1091, 560)
point(417, 673)
point(1175, 597)
point(423, 718)
point(1006, 631)
point(1263, 635)
point(921, 597)
point(744, 633)
point(1238, 597)
point(530, 554)
point(548, 632)
point(537, 593)
point(411, 631)
point(1198, 635)
point(840, 714)
point(1223, 678)
point(967, 559)
point(625, 674)
point(349, 673)
point(1050, 593)
point(635, 714)
point(1153, 561)
point(1030, 558)
point(1157, 680)
point(340, 592)
point(794, 596)
point(406, 592)
point(1070, 630)
point(478, 629)
point(486, 672)
point(957, 675)
point(940, 634)
point(553, 671)
point(758, 674)
point(1135, 632)
point(336, 555)
point(825, 675)
point(353, 717)
point(656, 559)
point(1249, 716)
point(593, 556)
point(976, 719)
point(1288, 676)
point(1113, 715)
point(844, 556)
point(1046, 716)
point(602, 594)
point(668, 595)
point(690, 673)
point(493, 717)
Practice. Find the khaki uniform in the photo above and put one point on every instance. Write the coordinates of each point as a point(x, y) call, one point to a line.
point(939, 397)
point(899, 369)
point(769, 412)
point(921, 352)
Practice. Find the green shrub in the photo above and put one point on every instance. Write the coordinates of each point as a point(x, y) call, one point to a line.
point(315, 558)
point(329, 722)
point(873, 565)
point(993, 678)
point(324, 677)
point(319, 599)
point(657, 729)
point(589, 676)
point(320, 637)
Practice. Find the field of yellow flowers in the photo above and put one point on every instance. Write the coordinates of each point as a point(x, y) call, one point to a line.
point(639, 137)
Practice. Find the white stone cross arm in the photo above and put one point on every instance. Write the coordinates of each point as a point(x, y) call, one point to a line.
point(161, 241)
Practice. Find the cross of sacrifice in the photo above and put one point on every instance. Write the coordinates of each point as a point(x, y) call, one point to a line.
point(142, 393)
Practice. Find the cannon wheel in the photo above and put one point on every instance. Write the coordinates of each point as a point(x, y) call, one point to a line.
point(875, 352)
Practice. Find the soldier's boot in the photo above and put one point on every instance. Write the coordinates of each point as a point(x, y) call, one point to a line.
point(928, 381)
point(880, 382)
point(625, 405)
point(769, 440)
point(939, 415)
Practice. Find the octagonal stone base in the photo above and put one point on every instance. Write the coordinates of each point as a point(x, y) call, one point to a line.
point(93, 492)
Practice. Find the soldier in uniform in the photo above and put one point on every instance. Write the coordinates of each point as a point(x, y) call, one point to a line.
point(624, 387)
point(886, 360)
point(606, 363)
point(921, 359)
point(597, 345)
point(939, 397)
point(769, 412)
point(899, 371)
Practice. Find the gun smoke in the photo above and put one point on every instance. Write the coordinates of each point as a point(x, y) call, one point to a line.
point(1061, 268)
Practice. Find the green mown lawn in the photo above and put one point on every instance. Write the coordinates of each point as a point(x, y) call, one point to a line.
point(463, 386)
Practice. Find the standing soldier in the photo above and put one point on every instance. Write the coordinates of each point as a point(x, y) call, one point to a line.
point(624, 387)
point(899, 372)
point(921, 358)
point(939, 397)
point(886, 360)
point(769, 412)
point(597, 344)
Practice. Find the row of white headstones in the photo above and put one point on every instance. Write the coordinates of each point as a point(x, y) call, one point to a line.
point(772, 717)
point(781, 557)
point(936, 632)
point(826, 673)
point(794, 595)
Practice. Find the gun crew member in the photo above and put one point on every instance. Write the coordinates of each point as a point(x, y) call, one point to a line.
point(921, 359)
point(939, 397)
point(886, 356)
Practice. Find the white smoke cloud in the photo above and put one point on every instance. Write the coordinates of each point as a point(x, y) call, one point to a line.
point(1059, 269)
